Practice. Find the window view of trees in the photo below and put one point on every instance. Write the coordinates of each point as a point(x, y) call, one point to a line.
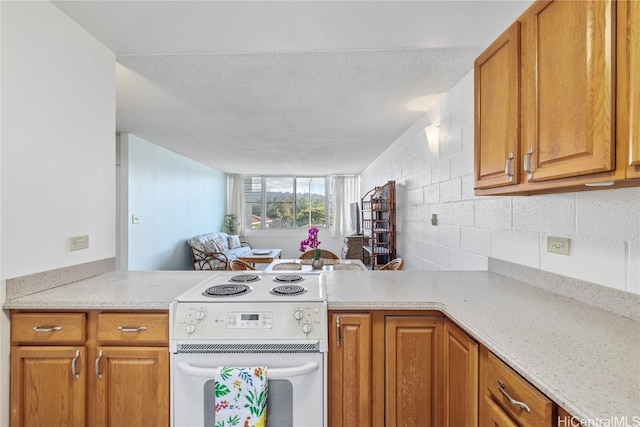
point(285, 202)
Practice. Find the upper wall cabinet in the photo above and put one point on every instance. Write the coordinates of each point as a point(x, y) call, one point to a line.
point(497, 111)
point(565, 116)
point(629, 82)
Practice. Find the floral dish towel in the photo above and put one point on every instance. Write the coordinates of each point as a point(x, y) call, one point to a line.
point(241, 396)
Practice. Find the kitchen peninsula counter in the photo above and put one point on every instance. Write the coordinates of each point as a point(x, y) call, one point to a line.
point(584, 358)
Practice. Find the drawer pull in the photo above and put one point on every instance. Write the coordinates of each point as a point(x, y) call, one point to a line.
point(508, 170)
point(511, 400)
point(74, 365)
point(98, 373)
point(54, 329)
point(527, 163)
point(138, 329)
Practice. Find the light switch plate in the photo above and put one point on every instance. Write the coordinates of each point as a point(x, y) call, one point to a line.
point(558, 245)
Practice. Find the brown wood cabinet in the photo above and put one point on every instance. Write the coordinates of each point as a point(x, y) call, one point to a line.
point(508, 399)
point(413, 364)
point(353, 244)
point(44, 388)
point(460, 405)
point(570, 128)
point(628, 88)
point(385, 368)
point(350, 382)
point(89, 369)
point(497, 112)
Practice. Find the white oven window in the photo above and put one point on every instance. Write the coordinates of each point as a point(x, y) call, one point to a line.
point(295, 401)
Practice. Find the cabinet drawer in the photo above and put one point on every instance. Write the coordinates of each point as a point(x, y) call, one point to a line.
point(500, 376)
point(43, 328)
point(133, 328)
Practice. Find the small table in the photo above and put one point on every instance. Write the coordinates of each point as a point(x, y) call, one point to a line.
point(261, 256)
point(305, 265)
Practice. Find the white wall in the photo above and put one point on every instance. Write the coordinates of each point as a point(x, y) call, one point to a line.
point(175, 198)
point(58, 142)
point(58, 151)
point(604, 226)
point(289, 239)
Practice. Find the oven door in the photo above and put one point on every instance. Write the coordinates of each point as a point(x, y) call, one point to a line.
point(296, 394)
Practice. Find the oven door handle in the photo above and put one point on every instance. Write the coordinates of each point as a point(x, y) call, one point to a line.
point(272, 373)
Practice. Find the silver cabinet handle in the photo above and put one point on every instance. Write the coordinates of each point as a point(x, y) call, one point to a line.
point(98, 373)
point(508, 167)
point(138, 329)
point(54, 329)
point(74, 365)
point(527, 164)
point(338, 331)
point(511, 400)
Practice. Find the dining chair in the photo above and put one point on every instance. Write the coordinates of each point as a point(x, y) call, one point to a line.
point(324, 254)
point(236, 264)
point(394, 264)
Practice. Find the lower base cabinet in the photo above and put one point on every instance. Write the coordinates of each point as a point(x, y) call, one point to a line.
point(417, 368)
point(508, 399)
point(89, 369)
point(460, 405)
point(385, 368)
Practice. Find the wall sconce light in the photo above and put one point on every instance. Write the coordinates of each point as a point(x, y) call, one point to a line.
point(433, 136)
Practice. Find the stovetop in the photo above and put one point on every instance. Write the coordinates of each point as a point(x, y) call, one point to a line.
point(257, 286)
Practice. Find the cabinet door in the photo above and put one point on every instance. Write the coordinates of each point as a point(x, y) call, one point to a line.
point(629, 82)
point(493, 416)
point(48, 385)
point(497, 112)
point(350, 369)
point(132, 387)
point(413, 352)
point(568, 98)
point(460, 378)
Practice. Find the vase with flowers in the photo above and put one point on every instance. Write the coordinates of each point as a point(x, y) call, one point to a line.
point(312, 242)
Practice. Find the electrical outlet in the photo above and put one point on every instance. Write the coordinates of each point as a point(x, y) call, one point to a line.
point(558, 245)
point(79, 242)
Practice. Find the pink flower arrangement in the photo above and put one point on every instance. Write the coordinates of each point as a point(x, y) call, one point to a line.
point(312, 242)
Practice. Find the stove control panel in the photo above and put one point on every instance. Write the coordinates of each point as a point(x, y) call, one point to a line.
point(214, 321)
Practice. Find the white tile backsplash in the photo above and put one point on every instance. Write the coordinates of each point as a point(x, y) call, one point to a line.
point(604, 225)
point(554, 214)
point(594, 260)
point(519, 247)
point(610, 214)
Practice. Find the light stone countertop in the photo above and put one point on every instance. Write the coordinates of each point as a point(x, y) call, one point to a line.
point(117, 290)
point(584, 358)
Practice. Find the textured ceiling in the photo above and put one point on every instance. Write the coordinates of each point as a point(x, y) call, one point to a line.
point(286, 87)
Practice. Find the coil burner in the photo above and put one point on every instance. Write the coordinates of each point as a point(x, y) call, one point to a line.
point(245, 278)
point(288, 290)
point(227, 290)
point(288, 278)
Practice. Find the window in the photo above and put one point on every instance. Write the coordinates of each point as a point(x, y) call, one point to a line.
point(287, 201)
